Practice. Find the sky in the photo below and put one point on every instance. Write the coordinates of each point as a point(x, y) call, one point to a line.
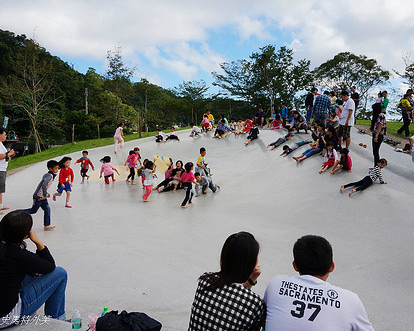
point(168, 42)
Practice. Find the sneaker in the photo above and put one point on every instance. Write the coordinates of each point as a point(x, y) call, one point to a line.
point(54, 197)
point(68, 206)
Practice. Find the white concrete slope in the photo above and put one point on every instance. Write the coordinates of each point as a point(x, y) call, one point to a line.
point(126, 254)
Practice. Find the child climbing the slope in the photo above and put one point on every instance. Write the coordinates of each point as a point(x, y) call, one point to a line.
point(107, 169)
point(148, 179)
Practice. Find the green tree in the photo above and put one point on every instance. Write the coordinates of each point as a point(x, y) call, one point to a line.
point(347, 69)
point(237, 79)
point(276, 76)
point(195, 93)
point(408, 74)
point(31, 90)
point(117, 79)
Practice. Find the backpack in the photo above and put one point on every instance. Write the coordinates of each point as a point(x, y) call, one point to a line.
point(127, 322)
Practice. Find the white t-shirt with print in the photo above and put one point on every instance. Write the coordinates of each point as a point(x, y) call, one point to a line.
point(3, 162)
point(298, 303)
point(348, 105)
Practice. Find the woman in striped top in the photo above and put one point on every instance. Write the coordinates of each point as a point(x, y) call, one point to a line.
point(373, 175)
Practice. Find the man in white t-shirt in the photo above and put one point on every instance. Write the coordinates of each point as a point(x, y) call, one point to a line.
point(307, 301)
point(347, 119)
point(4, 158)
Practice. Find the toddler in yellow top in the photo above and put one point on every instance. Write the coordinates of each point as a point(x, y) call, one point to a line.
point(202, 166)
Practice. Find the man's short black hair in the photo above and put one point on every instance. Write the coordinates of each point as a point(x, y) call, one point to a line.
point(314, 89)
point(345, 93)
point(312, 255)
point(51, 164)
point(2, 130)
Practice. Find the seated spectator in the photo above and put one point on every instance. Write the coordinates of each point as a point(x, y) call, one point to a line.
point(306, 301)
point(172, 135)
point(331, 137)
point(260, 117)
point(160, 136)
point(195, 130)
point(247, 125)
point(222, 128)
point(27, 280)
point(169, 174)
point(316, 148)
point(275, 124)
point(253, 134)
point(299, 122)
point(223, 118)
point(344, 162)
point(223, 300)
point(205, 124)
point(333, 120)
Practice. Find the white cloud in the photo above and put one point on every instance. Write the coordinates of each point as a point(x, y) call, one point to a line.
point(176, 35)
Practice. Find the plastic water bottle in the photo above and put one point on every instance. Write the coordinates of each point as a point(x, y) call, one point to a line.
point(76, 320)
point(106, 310)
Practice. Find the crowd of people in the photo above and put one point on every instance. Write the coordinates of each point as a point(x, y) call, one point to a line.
point(223, 299)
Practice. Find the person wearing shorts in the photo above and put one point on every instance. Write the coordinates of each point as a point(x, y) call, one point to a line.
point(4, 161)
point(347, 119)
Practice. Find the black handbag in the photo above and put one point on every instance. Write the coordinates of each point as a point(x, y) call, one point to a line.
point(127, 322)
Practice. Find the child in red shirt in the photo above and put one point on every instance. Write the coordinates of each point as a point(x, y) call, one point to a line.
point(65, 180)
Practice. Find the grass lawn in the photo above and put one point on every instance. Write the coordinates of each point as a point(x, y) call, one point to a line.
point(392, 126)
point(69, 148)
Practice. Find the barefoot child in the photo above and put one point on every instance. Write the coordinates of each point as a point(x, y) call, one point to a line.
point(148, 179)
point(204, 182)
point(205, 123)
point(188, 179)
point(373, 175)
point(344, 162)
point(247, 125)
point(253, 134)
point(84, 163)
point(175, 180)
point(107, 169)
point(65, 180)
point(172, 135)
point(132, 162)
point(281, 140)
point(40, 195)
point(195, 130)
point(287, 150)
point(330, 157)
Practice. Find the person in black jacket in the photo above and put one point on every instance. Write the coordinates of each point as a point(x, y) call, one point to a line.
point(27, 280)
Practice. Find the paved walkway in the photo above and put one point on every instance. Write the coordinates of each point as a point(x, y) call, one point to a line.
point(126, 254)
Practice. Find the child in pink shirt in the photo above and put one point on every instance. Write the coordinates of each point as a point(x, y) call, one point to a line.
point(107, 169)
point(188, 179)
